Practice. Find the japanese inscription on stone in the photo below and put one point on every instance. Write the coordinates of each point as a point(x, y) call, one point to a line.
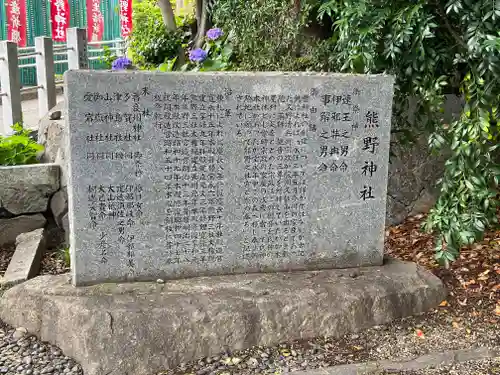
point(185, 174)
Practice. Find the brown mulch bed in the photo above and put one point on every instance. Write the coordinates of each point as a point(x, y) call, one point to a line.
point(473, 281)
point(52, 261)
point(53, 264)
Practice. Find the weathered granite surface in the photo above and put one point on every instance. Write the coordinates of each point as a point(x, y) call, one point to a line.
point(30, 198)
point(27, 189)
point(52, 134)
point(143, 328)
point(413, 173)
point(186, 174)
point(411, 165)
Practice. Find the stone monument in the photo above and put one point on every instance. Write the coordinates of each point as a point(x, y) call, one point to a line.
point(175, 175)
point(225, 176)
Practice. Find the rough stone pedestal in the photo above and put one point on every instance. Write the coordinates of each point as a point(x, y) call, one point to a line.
point(142, 328)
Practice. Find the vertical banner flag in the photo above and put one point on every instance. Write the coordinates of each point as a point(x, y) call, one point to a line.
point(59, 16)
point(95, 21)
point(16, 21)
point(125, 17)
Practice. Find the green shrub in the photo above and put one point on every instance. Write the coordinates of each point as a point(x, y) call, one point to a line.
point(107, 58)
point(268, 35)
point(65, 256)
point(19, 148)
point(219, 54)
point(151, 44)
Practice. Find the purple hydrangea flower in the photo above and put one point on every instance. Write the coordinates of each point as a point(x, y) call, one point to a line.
point(215, 33)
point(121, 63)
point(197, 55)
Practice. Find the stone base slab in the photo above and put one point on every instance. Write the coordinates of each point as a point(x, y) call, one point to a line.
point(143, 328)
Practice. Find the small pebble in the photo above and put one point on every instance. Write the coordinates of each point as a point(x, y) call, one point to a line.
point(354, 274)
point(19, 333)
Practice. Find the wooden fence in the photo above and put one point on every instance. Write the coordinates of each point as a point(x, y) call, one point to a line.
point(46, 56)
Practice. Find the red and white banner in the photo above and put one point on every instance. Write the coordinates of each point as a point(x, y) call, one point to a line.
point(125, 17)
point(59, 16)
point(16, 21)
point(95, 21)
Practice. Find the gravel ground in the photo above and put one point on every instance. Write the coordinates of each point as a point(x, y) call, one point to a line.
point(401, 340)
point(482, 367)
point(22, 354)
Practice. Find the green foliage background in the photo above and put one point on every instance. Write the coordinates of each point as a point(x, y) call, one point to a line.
point(433, 48)
point(268, 35)
point(151, 44)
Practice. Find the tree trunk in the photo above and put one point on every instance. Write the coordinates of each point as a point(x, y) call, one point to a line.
point(198, 11)
point(167, 13)
point(296, 5)
point(202, 11)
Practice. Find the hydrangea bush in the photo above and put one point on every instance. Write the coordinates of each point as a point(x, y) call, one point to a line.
point(121, 63)
point(198, 55)
point(216, 54)
point(214, 34)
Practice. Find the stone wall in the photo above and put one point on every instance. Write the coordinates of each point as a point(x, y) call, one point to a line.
point(29, 197)
point(413, 172)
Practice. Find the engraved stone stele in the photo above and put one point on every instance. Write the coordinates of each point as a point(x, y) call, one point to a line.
point(180, 175)
point(175, 175)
